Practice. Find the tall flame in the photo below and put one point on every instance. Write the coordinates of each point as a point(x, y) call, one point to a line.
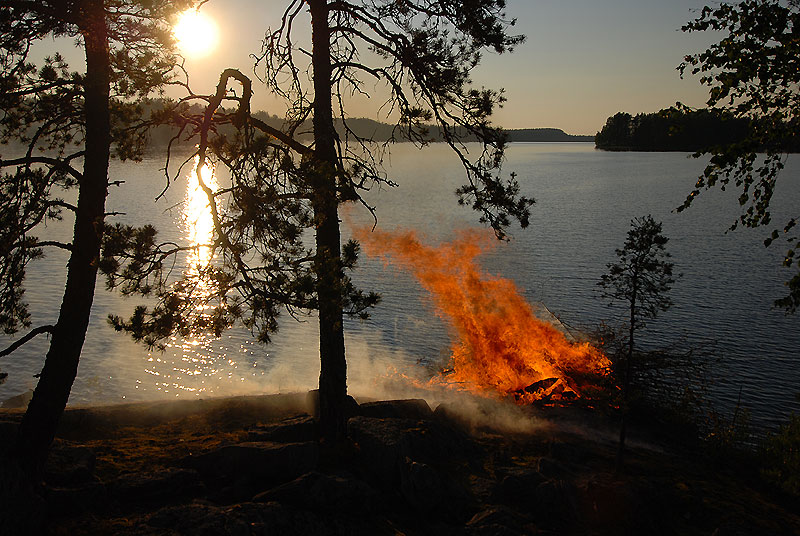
point(499, 343)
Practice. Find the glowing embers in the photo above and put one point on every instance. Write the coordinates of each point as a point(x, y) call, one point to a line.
point(499, 344)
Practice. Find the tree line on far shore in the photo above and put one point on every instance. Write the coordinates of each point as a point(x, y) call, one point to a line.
point(377, 131)
point(677, 129)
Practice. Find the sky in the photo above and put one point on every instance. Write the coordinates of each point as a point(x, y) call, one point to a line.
point(582, 61)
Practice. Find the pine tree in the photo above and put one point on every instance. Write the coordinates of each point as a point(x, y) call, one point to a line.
point(422, 53)
point(641, 279)
point(62, 117)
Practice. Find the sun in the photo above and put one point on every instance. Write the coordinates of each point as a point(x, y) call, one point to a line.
point(196, 34)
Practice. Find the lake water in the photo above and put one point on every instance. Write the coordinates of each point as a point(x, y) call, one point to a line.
point(585, 201)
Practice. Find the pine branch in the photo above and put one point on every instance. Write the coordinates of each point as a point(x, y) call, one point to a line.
point(53, 162)
point(33, 333)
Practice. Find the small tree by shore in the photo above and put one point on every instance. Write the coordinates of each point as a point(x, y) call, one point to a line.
point(640, 278)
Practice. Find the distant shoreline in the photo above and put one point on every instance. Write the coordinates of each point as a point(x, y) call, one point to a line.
point(554, 141)
point(545, 135)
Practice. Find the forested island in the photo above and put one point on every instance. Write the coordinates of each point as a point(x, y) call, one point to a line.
point(674, 129)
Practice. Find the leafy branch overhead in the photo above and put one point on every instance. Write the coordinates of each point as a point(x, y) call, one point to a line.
point(43, 113)
point(753, 72)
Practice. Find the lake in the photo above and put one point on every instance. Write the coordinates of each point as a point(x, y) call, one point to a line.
point(585, 201)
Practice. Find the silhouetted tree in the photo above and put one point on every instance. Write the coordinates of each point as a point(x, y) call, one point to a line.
point(640, 278)
point(753, 72)
point(422, 52)
point(60, 118)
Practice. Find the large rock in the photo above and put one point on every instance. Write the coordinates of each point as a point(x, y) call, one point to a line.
point(292, 430)
point(414, 408)
point(19, 401)
point(76, 500)
point(351, 408)
point(516, 485)
point(198, 520)
point(449, 414)
point(255, 466)
point(279, 520)
point(551, 468)
point(421, 486)
point(556, 504)
point(634, 506)
point(163, 486)
point(384, 445)
point(415, 458)
point(329, 493)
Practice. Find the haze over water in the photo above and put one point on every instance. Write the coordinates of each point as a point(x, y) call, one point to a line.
point(585, 200)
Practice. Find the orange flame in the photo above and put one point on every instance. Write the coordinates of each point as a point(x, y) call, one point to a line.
point(500, 346)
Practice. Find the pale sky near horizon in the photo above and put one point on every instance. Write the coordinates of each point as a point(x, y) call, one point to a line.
point(583, 60)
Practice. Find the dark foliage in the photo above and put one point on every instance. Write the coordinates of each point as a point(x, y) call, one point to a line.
point(43, 122)
point(780, 456)
point(643, 274)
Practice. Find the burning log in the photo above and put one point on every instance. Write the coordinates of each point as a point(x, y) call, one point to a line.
point(541, 385)
point(548, 391)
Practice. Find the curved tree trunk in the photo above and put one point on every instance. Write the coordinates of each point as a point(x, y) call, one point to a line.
point(328, 267)
point(39, 424)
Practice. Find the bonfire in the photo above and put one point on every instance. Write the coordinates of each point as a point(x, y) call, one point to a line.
point(501, 346)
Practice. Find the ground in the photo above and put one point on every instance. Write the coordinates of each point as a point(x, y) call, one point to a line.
point(251, 465)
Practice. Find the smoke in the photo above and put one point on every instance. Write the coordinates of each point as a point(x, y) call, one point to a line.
point(376, 371)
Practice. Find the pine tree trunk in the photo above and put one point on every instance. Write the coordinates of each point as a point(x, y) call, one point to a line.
point(39, 424)
point(333, 370)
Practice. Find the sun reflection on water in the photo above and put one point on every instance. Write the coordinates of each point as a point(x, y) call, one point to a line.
point(197, 218)
point(202, 364)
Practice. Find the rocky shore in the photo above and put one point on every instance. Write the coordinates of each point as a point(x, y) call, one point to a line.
point(252, 466)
